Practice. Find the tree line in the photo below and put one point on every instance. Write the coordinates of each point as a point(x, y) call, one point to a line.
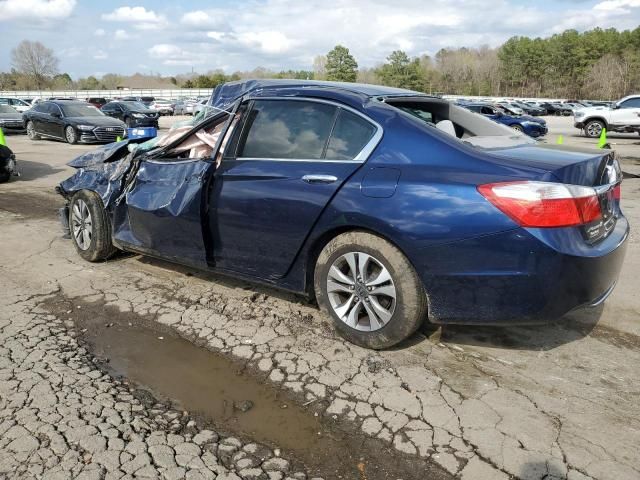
point(596, 64)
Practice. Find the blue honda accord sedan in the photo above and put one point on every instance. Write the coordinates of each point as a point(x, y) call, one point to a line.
point(389, 206)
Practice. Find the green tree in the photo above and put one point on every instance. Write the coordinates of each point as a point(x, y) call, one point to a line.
point(62, 81)
point(401, 71)
point(340, 65)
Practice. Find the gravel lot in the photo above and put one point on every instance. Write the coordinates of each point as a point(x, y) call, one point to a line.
point(554, 401)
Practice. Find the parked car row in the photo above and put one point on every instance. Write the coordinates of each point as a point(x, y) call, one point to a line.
point(180, 106)
point(500, 113)
point(540, 108)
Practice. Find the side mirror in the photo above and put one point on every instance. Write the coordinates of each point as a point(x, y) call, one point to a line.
point(56, 115)
point(615, 106)
point(499, 113)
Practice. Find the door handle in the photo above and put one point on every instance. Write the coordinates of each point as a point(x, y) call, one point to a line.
point(319, 179)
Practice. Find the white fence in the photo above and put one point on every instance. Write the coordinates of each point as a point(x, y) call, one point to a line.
point(134, 92)
point(195, 92)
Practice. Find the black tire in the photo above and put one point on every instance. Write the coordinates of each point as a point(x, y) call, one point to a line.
point(99, 246)
point(410, 305)
point(5, 177)
point(31, 131)
point(70, 135)
point(593, 128)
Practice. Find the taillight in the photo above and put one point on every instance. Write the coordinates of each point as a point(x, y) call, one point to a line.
point(544, 204)
point(617, 192)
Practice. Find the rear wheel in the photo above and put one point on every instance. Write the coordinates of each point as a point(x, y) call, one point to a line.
point(593, 128)
point(31, 131)
point(90, 227)
point(370, 289)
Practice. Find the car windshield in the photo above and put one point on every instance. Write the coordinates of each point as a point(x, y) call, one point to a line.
point(135, 105)
point(7, 109)
point(80, 110)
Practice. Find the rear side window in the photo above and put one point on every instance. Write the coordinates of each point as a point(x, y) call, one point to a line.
point(288, 129)
point(350, 135)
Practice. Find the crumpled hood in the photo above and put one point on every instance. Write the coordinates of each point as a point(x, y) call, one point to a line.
point(99, 155)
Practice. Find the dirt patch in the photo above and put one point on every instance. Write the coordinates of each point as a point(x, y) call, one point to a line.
point(223, 393)
point(31, 205)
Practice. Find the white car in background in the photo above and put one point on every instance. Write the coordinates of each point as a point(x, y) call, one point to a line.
point(19, 105)
point(511, 108)
point(163, 107)
point(623, 117)
point(184, 106)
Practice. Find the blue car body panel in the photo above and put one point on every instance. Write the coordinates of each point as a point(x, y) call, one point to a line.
point(258, 219)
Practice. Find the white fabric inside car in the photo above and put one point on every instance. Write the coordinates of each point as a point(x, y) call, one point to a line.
point(447, 127)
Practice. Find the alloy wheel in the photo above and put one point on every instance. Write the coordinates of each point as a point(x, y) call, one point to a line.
point(594, 129)
point(31, 133)
point(361, 291)
point(70, 134)
point(81, 224)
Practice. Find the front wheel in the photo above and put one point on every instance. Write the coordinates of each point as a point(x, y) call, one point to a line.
point(370, 289)
point(593, 128)
point(70, 135)
point(517, 128)
point(90, 227)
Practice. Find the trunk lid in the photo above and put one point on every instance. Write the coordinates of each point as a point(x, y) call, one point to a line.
point(595, 168)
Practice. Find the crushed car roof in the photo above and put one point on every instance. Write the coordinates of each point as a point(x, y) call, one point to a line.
point(226, 93)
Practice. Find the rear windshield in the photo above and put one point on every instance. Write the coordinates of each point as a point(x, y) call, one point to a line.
point(80, 110)
point(468, 127)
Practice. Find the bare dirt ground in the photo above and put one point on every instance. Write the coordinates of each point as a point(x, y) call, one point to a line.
point(139, 368)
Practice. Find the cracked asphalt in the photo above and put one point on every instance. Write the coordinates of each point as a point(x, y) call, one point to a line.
point(555, 401)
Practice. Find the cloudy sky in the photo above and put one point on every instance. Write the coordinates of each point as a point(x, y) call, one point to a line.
point(163, 36)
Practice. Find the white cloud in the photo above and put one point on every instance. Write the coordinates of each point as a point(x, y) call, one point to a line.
point(99, 32)
point(170, 54)
point(121, 35)
point(617, 4)
point(197, 18)
point(100, 55)
point(36, 9)
point(142, 18)
point(268, 42)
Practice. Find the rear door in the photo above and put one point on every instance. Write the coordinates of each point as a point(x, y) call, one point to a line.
point(282, 166)
point(37, 116)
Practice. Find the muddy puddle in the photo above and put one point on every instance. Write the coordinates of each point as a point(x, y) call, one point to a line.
point(234, 401)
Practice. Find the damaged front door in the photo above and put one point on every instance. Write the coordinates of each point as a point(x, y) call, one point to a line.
point(162, 209)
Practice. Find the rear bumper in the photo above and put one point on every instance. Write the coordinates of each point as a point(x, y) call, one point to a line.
point(519, 277)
